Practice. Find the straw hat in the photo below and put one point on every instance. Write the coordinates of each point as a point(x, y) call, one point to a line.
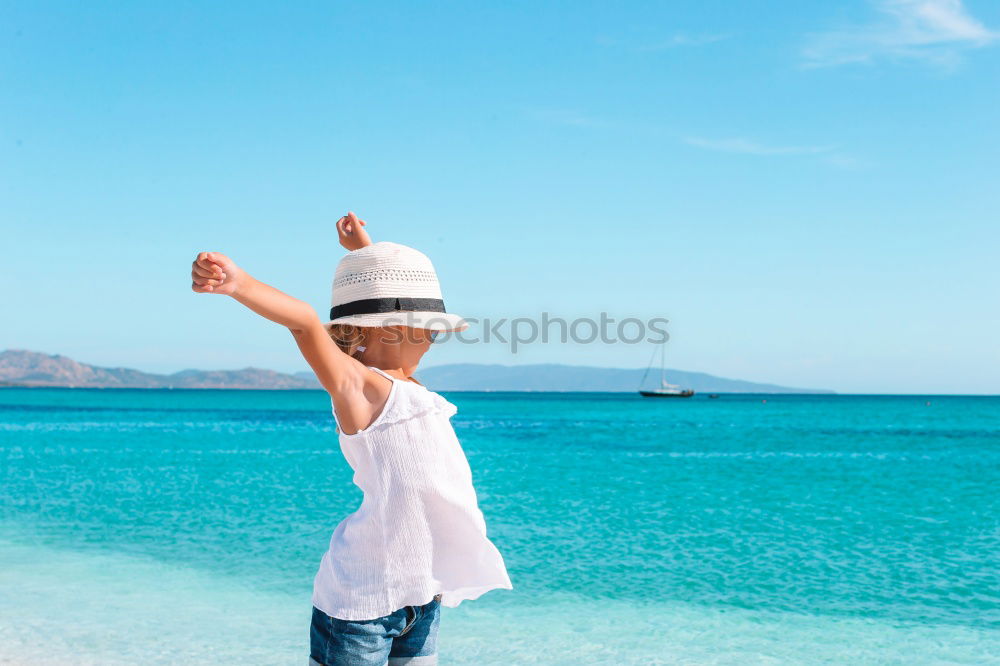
point(388, 284)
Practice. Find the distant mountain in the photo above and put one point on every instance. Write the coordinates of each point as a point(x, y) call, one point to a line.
point(553, 377)
point(20, 367)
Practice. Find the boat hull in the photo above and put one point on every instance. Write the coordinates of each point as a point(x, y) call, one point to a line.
point(657, 394)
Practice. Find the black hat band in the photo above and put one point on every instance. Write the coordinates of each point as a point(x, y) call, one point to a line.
point(380, 305)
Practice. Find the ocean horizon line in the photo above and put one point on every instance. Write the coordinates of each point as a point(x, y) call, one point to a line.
point(812, 395)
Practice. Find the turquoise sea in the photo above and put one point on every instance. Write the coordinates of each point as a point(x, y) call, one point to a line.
point(185, 527)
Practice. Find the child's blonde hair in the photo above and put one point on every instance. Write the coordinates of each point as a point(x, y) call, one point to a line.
point(348, 337)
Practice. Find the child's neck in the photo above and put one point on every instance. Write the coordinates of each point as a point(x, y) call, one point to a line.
point(384, 359)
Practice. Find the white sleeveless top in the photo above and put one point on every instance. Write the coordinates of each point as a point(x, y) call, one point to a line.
point(419, 530)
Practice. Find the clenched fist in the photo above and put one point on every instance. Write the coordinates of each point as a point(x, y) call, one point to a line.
point(214, 273)
point(351, 232)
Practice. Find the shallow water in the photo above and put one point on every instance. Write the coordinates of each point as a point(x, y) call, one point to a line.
point(186, 527)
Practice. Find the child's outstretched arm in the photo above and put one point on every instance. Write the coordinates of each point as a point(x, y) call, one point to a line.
point(215, 273)
point(358, 394)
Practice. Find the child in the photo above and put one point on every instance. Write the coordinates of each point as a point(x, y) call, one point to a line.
point(418, 540)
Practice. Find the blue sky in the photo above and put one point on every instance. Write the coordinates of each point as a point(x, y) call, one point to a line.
point(808, 191)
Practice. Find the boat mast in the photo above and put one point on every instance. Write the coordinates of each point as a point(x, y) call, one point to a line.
point(649, 366)
point(663, 364)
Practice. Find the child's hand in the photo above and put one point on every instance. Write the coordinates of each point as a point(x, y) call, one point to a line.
point(352, 232)
point(214, 273)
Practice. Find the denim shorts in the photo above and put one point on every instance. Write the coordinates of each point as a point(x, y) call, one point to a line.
point(404, 637)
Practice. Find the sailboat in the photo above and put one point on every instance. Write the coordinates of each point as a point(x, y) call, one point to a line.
point(666, 390)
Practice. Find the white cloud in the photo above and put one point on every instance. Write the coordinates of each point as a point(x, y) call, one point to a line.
point(567, 117)
point(830, 155)
point(677, 40)
point(826, 154)
point(748, 147)
point(680, 39)
point(931, 30)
